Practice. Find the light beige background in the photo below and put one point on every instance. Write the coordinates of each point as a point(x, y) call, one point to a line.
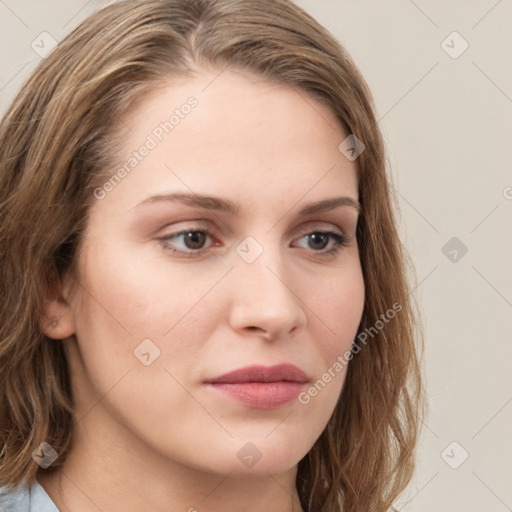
point(447, 124)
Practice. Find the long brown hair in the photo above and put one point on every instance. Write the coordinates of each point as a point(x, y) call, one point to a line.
point(59, 136)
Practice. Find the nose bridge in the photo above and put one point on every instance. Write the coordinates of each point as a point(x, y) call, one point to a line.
point(262, 262)
point(264, 296)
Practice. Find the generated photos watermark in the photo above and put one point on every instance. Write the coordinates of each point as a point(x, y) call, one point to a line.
point(152, 140)
point(343, 359)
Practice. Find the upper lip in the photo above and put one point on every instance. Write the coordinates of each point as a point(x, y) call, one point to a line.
point(257, 373)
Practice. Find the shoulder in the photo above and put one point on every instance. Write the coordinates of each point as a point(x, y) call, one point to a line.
point(25, 499)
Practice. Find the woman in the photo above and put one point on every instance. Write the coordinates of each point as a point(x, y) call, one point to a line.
point(205, 296)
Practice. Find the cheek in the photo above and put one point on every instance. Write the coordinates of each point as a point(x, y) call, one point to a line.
point(121, 305)
point(336, 307)
point(334, 310)
point(128, 298)
point(144, 295)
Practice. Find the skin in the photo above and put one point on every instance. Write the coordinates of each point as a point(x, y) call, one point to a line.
point(154, 437)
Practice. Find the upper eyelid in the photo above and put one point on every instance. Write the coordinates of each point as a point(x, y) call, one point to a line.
point(206, 225)
point(211, 232)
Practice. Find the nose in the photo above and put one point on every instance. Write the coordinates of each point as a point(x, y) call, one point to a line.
point(264, 302)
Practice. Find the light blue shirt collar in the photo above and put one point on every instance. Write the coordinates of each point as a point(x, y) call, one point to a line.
point(24, 500)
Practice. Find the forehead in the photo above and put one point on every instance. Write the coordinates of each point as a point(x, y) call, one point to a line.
point(225, 131)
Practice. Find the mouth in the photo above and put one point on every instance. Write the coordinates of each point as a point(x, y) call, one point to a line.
point(261, 387)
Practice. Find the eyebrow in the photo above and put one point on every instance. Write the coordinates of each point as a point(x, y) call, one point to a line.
point(225, 205)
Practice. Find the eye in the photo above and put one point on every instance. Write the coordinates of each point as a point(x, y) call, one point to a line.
point(321, 239)
point(194, 239)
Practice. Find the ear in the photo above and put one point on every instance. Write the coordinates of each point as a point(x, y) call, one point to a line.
point(58, 321)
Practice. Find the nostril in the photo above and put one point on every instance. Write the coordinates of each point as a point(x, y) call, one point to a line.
point(253, 328)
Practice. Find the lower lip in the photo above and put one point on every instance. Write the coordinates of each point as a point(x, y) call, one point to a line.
point(260, 395)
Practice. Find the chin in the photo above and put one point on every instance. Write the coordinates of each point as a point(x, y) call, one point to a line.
point(244, 458)
point(274, 454)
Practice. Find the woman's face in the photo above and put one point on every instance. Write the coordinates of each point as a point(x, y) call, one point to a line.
point(159, 313)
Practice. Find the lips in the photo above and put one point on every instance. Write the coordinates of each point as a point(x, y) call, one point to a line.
point(277, 373)
point(261, 387)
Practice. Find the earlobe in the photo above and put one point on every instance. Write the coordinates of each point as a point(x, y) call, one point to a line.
point(58, 320)
point(58, 325)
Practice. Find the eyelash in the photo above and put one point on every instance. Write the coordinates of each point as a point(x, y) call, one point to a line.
point(340, 241)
